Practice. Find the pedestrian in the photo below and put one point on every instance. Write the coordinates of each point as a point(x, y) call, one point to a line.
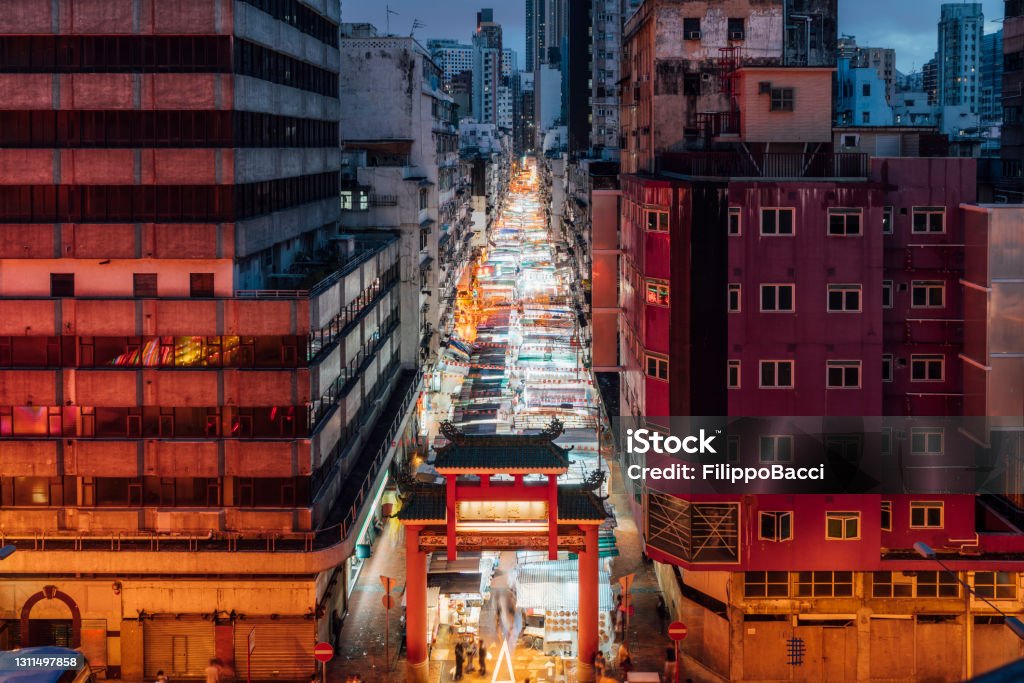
point(212, 672)
point(161, 677)
point(622, 655)
point(471, 656)
point(671, 665)
point(460, 652)
point(662, 612)
point(599, 665)
point(482, 654)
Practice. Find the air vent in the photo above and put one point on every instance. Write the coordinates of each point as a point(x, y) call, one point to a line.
point(764, 88)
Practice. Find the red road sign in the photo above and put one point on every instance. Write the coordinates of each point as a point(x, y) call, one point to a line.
point(388, 600)
point(677, 630)
point(323, 652)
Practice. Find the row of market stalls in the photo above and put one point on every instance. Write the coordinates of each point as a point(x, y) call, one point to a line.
point(514, 362)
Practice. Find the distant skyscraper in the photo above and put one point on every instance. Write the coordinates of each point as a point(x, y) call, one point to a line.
point(930, 79)
point(959, 57)
point(991, 104)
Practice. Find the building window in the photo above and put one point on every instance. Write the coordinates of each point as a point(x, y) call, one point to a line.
point(885, 521)
point(782, 99)
point(737, 30)
point(777, 221)
point(937, 585)
point(891, 585)
point(734, 221)
point(824, 584)
point(734, 374)
point(765, 584)
point(929, 219)
point(777, 374)
point(927, 294)
point(775, 526)
point(866, 89)
point(886, 293)
point(424, 199)
point(62, 284)
point(865, 117)
point(842, 374)
point(734, 298)
point(732, 448)
point(144, 285)
point(886, 220)
point(844, 222)
point(926, 515)
point(926, 441)
point(777, 298)
point(842, 526)
point(657, 367)
point(657, 221)
point(886, 367)
point(776, 448)
point(996, 585)
point(657, 292)
point(691, 28)
point(844, 298)
point(927, 368)
point(200, 285)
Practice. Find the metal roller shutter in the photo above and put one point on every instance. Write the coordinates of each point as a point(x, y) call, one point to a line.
point(284, 649)
point(181, 648)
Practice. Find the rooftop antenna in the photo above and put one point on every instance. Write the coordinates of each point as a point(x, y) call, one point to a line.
point(387, 20)
point(416, 23)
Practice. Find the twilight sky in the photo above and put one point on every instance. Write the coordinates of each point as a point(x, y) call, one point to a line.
point(907, 25)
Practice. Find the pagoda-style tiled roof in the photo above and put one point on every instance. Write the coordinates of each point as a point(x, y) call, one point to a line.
point(577, 504)
point(425, 503)
point(506, 453)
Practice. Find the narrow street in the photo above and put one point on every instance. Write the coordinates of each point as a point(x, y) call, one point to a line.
point(515, 361)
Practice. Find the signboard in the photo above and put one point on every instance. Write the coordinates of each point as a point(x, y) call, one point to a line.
point(323, 652)
point(677, 630)
point(500, 511)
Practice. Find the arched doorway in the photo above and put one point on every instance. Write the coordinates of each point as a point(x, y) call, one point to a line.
point(55, 621)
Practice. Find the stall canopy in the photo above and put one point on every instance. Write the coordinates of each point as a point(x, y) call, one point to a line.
point(455, 583)
point(548, 585)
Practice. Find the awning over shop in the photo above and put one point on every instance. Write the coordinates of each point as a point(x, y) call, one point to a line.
point(549, 585)
point(455, 583)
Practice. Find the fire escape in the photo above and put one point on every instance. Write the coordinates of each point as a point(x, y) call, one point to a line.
point(724, 79)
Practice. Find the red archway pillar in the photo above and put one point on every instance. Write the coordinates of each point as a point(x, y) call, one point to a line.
point(588, 606)
point(417, 668)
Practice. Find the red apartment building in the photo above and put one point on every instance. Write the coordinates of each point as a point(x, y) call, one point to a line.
point(763, 274)
point(192, 358)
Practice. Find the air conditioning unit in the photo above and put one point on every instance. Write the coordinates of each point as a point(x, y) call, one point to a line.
point(736, 35)
point(764, 88)
point(693, 35)
point(851, 140)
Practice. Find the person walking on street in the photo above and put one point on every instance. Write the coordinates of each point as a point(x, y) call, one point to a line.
point(460, 652)
point(599, 665)
point(212, 672)
point(161, 677)
point(662, 612)
point(482, 654)
point(471, 656)
point(671, 665)
point(624, 658)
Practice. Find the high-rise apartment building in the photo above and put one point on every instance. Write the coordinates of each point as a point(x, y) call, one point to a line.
point(958, 59)
point(453, 57)
point(1011, 150)
point(990, 106)
point(192, 357)
point(759, 279)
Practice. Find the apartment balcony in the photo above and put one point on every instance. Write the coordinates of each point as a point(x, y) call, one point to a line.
point(737, 164)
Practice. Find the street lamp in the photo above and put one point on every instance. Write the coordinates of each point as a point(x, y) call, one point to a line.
point(1012, 623)
point(6, 551)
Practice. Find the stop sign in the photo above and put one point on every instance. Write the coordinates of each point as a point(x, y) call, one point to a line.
point(323, 652)
point(677, 630)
